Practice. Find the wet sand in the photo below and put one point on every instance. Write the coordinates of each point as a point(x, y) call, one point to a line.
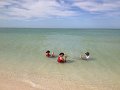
point(51, 83)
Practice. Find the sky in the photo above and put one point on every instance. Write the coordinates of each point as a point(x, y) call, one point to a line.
point(60, 13)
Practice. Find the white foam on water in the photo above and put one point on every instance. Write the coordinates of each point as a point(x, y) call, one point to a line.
point(32, 84)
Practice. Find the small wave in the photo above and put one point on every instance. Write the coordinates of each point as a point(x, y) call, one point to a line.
point(32, 84)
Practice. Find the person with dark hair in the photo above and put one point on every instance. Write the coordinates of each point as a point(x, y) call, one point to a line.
point(61, 59)
point(86, 56)
point(48, 53)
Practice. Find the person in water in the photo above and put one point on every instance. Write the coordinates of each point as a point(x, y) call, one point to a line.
point(49, 55)
point(86, 56)
point(61, 59)
point(53, 55)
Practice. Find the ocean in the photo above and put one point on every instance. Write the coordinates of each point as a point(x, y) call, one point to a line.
point(22, 55)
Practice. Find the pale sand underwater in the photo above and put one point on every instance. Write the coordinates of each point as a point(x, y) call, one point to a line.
point(23, 65)
point(52, 83)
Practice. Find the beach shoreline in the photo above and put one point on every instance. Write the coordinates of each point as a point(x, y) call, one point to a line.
point(45, 82)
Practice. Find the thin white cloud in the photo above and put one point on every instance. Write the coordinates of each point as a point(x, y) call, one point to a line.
point(34, 8)
point(97, 6)
point(27, 9)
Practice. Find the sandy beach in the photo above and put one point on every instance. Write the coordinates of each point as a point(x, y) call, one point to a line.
point(51, 83)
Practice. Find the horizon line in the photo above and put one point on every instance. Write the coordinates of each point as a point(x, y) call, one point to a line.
point(60, 28)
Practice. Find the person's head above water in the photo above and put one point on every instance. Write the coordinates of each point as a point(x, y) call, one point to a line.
point(47, 51)
point(61, 54)
point(87, 53)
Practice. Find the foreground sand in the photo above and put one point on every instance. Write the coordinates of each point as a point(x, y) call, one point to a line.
point(50, 83)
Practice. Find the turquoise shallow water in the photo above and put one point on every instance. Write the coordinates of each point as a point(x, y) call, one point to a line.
point(22, 53)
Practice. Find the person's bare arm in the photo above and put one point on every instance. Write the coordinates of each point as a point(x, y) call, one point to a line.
point(65, 57)
point(81, 56)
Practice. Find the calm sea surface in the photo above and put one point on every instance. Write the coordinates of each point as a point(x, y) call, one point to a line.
point(22, 53)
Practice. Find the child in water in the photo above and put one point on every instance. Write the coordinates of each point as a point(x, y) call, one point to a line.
point(53, 55)
point(49, 55)
point(61, 59)
point(86, 56)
